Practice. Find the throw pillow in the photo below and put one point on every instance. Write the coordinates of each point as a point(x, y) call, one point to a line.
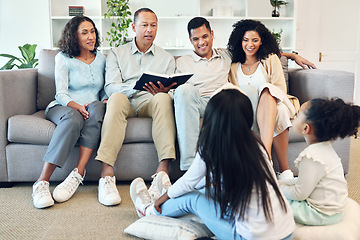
point(284, 64)
point(161, 227)
point(46, 78)
point(347, 229)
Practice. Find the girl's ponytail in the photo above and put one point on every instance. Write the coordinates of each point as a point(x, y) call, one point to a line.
point(333, 118)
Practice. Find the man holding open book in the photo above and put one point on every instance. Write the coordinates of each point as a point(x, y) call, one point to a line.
point(124, 66)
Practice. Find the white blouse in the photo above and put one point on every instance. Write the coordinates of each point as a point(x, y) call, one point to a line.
point(257, 79)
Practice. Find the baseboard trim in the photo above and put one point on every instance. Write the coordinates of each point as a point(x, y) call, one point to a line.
point(6, 184)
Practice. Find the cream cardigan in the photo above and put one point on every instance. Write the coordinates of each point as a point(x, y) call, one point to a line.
point(274, 75)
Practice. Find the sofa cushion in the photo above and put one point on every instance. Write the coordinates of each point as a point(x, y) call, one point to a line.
point(46, 78)
point(285, 67)
point(35, 129)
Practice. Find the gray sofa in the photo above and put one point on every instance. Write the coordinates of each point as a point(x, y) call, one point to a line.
point(25, 133)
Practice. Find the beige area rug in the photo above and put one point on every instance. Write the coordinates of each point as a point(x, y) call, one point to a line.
point(83, 217)
point(353, 177)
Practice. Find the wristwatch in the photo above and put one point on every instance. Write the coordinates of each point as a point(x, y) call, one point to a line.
point(293, 53)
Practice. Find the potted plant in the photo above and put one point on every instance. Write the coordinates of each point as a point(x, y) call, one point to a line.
point(118, 11)
point(28, 60)
point(277, 35)
point(276, 4)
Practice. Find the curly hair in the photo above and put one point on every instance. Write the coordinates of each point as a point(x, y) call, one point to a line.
point(333, 118)
point(268, 46)
point(235, 163)
point(68, 42)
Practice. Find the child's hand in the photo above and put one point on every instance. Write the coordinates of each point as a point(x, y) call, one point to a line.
point(160, 201)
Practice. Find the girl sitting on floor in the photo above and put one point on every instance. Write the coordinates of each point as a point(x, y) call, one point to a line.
point(317, 196)
point(243, 199)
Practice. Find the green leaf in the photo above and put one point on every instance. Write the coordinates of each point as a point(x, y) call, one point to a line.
point(25, 53)
point(278, 3)
point(8, 56)
point(25, 65)
point(8, 65)
point(119, 24)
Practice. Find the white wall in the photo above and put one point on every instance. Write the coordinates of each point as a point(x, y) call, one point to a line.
point(332, 28)
point(21, 22)
point(357, 73)
point(27, 21)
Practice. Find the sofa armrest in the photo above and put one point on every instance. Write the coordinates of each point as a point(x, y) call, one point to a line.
point(17, 96)
point(317, 83)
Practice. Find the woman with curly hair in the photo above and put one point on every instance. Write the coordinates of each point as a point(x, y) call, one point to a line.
point(257, 69)
point(318, 195)
point(77, 110)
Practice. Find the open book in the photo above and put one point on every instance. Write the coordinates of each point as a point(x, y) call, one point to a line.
point(166, 80)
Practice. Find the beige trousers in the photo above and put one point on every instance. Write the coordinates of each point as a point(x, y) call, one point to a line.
point(159, 108)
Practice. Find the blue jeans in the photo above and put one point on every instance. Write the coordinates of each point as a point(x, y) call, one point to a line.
point(189, 108)
point(198, 204)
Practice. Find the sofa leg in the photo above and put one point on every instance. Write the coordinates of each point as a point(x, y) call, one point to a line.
point(6, 184)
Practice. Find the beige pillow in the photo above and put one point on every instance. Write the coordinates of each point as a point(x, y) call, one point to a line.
point(347, 229)
point(161, 227)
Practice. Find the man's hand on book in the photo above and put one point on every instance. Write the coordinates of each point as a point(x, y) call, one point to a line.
point(153, 89)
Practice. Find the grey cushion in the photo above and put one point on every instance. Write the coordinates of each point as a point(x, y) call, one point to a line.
point(23, 128)
point(284, 64)
point(33, 129)
point(46, 78)
point(318, 83)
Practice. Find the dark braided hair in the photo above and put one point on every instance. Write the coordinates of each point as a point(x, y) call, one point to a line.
point(333, 118)
point(68, 42)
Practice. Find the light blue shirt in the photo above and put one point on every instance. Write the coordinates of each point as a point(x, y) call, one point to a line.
point(77, 81)
point(125, 64)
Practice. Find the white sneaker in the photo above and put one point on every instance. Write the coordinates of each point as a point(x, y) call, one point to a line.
point(41, 195)
point(162, 182)
point(108, 193)
point(65, 190)
point(140, 197)
point(159, 185)
point(153, 191)
point(286, 175)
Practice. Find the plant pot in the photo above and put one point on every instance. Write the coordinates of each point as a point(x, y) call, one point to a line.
point(275, 12)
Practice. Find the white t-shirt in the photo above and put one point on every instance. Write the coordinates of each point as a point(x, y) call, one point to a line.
point(257, 79)
point(255, 226)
